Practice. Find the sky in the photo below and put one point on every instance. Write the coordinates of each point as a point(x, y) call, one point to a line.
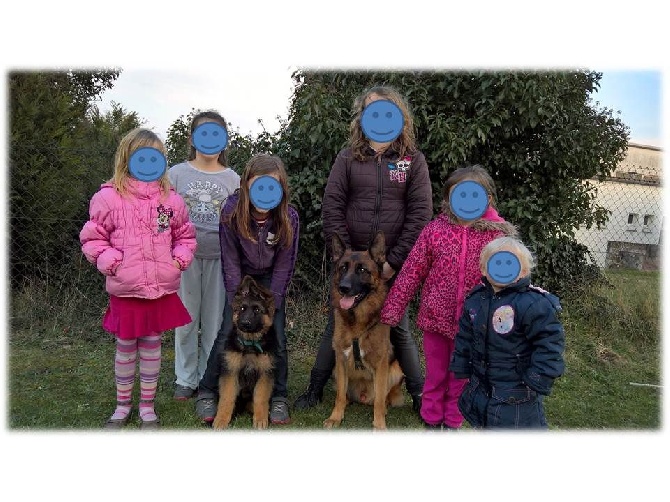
point(242, 95)
point(246, 95)
point(246, 50)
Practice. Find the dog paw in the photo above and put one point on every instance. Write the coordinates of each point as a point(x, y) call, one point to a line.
point(331, 423)
point(220, 424)
point(379, 426)
point(261, 423)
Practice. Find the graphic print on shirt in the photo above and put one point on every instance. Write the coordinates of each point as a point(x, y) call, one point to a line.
point(503, 319)
point(163, 219)
point(398, 170)
point(204, 199)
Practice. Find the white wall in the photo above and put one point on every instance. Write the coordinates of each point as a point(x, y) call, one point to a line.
point(625, 199)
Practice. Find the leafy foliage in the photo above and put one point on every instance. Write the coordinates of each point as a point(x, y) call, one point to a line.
point(61, 149)
point(538, 134)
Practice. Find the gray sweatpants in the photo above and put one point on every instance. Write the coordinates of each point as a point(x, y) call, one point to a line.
point(202, 292)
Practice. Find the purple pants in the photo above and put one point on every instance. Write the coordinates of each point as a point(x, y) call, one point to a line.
point(441, 390)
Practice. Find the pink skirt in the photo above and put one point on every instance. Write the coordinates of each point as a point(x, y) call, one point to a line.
point(130, 318)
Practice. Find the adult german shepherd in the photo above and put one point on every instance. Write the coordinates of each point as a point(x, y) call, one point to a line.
point(365, 369)
point(247, 359)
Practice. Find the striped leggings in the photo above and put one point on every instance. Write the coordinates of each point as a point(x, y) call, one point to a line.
point(149, 348)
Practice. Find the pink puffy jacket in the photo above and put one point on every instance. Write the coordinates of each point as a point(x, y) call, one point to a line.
point(134, 240)
point(445, 261)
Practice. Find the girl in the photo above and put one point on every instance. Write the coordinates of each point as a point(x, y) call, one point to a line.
point(380, 182)
point(204, 181)
point(259, 237)
point(140, 237)
point(510, 342)
point(446, 257)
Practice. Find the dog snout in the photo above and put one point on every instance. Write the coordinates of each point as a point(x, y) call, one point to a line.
point(344, 288)
point(245, 324)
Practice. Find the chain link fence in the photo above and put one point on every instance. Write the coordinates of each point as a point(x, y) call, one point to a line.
point(44, 243)
point(633, 194)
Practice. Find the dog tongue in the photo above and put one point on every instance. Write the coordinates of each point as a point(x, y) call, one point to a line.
point(346, 302)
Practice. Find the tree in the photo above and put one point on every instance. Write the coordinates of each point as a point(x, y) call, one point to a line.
point(538, 133)
point(240, 147)
point(49, 159)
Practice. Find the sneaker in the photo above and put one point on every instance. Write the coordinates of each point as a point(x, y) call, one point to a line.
point(311, 397)
point(205, 408)
point(279, 411)
point(182, 393)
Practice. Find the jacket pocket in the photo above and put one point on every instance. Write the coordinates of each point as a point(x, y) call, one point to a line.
point(472, 403)
point(517, 407)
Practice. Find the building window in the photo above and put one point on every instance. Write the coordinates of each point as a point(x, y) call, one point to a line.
point(647, 222)
point(632, 222)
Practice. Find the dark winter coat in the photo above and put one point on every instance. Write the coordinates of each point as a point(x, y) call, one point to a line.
point(385, 193)
point(510, 345)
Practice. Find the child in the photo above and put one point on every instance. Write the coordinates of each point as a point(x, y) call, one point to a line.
point(205, 182)
point(379, 182)
point(259, 237)
point(510, 342)
point(445, 260)
point(140, 237)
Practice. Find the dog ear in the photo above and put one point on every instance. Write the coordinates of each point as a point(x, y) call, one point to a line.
point(377, 249)
point(338, 247)
point(246, 285)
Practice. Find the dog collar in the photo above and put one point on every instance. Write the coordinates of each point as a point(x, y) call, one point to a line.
point(250, 343)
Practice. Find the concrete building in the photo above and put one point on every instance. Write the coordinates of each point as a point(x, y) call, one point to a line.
point(631, 238)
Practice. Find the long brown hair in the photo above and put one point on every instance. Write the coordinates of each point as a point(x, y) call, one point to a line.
point(240, 219)
point(137, 138)
point(403, 144)
point(201, 118)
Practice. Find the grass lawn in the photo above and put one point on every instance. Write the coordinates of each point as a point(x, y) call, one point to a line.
point(61, 364)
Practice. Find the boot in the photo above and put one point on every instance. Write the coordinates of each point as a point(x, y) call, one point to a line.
point(314, 393)
point(416, 403)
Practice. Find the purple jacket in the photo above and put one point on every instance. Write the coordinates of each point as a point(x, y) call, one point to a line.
point(133, 240)
point(240, 256)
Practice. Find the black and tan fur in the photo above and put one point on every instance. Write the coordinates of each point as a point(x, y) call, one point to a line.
point(358, 293)
point(247, 359)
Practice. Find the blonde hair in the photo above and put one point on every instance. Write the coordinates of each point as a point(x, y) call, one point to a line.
point(137, 138)
point(240, 219)
point(403, 144)
point(514, 246)
point(474, 173)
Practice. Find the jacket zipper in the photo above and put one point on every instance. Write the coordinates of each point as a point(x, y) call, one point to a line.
point(461, 272)
point(378, 198)
point(260, 254)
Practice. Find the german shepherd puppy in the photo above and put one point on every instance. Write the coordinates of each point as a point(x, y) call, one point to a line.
point(365, 369)
point(247, 359)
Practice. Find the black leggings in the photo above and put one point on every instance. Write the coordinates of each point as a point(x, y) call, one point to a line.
point(209, 383)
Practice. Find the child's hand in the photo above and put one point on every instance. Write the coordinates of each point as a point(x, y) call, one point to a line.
point(176, 264)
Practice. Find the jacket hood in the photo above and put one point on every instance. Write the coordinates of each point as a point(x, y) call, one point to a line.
point(489, 221)
point(140, 189)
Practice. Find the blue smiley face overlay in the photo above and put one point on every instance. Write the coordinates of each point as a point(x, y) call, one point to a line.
point(147, 164)
point(503, 267)
point(209, 138)
point(382, 121)
point(468, 200)
point(265, 193)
